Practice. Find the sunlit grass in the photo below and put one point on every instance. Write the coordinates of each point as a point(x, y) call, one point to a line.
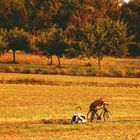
point(35, 102)
point(92, 131)
point(23, 107)
point(74, 80)
point(35, 64)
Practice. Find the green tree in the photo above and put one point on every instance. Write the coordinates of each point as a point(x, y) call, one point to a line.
point(64, 13)
point(130, 13)
point(106, 8)
point(17, 39)
point(12, 14)
point(105, 37)
point(39, 13)
point(73, 38)
point(3, 43)
point(52, 43)
point(120, 40)
point(95, 39)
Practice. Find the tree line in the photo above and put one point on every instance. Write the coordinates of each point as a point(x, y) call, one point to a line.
point(70, 28)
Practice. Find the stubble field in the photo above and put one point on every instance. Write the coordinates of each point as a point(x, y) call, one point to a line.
point(24, 108)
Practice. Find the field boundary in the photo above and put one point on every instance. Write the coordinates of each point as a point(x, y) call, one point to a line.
point(59, 83)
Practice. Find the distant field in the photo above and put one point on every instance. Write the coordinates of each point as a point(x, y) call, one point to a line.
point(24, 106)
point(111, 67)
point(36, 59)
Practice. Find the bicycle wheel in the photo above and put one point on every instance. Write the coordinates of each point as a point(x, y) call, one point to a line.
point(107, 116)
point(91, 117)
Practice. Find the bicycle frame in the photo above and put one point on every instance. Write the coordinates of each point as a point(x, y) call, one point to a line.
point(103, 110)
point(99, 116)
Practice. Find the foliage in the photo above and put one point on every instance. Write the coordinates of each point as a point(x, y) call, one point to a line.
point(17, 40)
point(83, 28)
point(3, 43)
point(131, 14)
point(120, 40)
point(12, 14)
point(52, 42)
point(64, 13)
point(39, 13)
point(105, 37)
point(73, 37)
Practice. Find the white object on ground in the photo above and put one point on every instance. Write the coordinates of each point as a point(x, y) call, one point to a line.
point(78, 118)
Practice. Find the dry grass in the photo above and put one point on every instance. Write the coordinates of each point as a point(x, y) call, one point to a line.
point(119, 131)
point(28, 102)
point(74, 80)
point(107, 61)
point(32, 103)
point(34, 64)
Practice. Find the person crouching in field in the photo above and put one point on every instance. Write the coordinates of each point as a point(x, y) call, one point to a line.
point(93, 107)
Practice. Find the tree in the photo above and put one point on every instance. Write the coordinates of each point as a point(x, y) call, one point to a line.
point(95, 39)
point(120, 40)
point(39, 13)
point(130, 13)
point(64, 13)
point(3, 43)
point(105, 37)
point(106, 8)
point(73, 38)
point(17, 39)
point(12, 14)
point(52, 43)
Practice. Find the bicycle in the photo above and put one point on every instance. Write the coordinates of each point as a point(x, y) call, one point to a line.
point(94, 115)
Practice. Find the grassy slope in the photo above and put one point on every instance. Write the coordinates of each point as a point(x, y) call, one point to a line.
point(19, 103)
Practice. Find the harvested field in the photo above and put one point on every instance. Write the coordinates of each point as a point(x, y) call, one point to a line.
point(43, 111)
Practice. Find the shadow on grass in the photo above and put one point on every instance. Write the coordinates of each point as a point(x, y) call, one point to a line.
point(68, 121)
point(56, 121)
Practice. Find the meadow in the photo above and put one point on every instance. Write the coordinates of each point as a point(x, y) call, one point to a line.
point(26, 106)
point(35, 64)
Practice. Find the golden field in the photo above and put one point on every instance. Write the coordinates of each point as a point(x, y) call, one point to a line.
point(24, 106)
